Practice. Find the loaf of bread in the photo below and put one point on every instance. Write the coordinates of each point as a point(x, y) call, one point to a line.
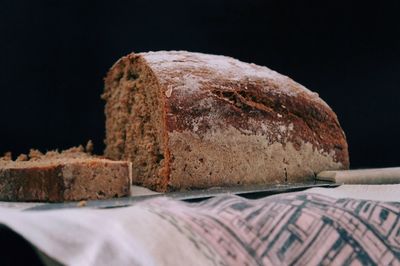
point(190, 120)
point(67, 176)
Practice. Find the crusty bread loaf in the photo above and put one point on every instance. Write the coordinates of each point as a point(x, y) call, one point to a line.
point(67, 176)
point(192, 120)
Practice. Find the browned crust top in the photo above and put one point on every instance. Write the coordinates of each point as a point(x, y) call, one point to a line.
point(204, 91)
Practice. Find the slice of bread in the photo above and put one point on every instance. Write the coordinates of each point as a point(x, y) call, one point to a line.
point(70, 175)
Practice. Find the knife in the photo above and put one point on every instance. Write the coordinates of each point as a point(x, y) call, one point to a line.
point(326, 179)
point(250, 192)
point(374, 176)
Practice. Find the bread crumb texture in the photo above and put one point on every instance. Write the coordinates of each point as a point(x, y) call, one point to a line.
point(69, 175)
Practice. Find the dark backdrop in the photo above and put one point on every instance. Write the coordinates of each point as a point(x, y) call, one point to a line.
point(54, 55)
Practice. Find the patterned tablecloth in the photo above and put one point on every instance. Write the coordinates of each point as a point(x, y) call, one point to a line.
point(349, 225)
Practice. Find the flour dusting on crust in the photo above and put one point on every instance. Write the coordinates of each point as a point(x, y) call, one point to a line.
point(216, 66)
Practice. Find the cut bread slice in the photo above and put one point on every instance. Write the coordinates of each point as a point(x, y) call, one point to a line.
point(69, 175)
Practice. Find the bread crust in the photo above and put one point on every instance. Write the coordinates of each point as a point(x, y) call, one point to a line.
point(209, 95)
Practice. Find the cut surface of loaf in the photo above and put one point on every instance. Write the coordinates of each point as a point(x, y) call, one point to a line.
point(190, 120)
point(70, 175)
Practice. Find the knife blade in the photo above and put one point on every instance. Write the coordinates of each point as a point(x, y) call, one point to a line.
point(250, 192)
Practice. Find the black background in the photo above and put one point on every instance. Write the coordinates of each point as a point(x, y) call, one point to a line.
point(54, 55)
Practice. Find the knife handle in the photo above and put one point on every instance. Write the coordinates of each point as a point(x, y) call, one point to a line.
point(377, 176)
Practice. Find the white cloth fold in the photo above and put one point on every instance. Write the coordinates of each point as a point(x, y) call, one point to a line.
point(134, 235)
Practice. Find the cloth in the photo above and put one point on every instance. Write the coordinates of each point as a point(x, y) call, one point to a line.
point(318, 226)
